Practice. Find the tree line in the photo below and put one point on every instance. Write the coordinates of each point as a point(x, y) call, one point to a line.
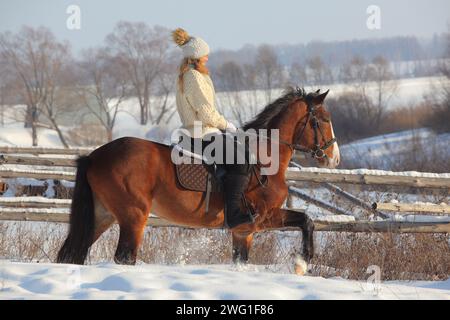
point(47, 85)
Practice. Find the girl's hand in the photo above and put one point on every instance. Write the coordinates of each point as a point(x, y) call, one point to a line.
point(231, 127)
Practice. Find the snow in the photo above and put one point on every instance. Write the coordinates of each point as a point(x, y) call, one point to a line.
point(373, 172)
point(422, 203)
point(35, 199)
point(334, 218)
point(15, 134)
point(409, 91)
point(14, 183)
point(383, 151)
point(36, 210)
point(418, 218)
point(109, 281)
point(12, 168)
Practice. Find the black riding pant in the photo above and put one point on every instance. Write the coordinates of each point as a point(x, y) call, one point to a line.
point(240, 150)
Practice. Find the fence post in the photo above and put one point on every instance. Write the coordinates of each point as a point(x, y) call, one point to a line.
point(289, 201)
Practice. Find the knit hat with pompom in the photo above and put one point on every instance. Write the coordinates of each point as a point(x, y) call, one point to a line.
point(193, 47)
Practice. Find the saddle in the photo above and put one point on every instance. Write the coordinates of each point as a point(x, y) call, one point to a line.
point(199, 177)
point(193, 176)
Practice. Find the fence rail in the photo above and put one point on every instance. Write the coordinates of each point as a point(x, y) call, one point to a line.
point(335, 177)
point(408, 207)
point(37, 161)
point(354, 227)
point(37, 174)
point(43, 150)
point(32, 203)
point(306, 175)
point(48, 211)
point(350, 176)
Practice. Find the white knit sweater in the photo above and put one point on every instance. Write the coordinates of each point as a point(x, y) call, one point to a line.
point(197, 102)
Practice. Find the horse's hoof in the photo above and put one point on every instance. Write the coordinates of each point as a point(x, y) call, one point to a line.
point(300, 266)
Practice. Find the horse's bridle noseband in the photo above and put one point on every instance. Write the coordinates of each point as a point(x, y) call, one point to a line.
point(318, 152)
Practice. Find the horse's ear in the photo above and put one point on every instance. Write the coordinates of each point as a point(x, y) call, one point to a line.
point(320, 98)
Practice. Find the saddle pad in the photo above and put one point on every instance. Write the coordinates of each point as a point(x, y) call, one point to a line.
point(192, 176)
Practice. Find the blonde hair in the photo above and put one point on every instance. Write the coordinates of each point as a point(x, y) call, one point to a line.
point(184, 67)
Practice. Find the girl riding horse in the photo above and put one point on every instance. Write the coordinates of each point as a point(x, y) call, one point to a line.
point(196, 103)
point(126, 179)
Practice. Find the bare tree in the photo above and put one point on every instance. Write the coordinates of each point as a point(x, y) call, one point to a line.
point(438, 100)
point(58, 99)
point(164, 106)
point(36, 59)
point(240, 85)
point(268, 70)
point(2, 104)
point(353, 116)
point(356, 74)
point(355, 71)
point(231, 77)
point(5, 82)
point(18, 52)
point(380, 73)
point(297, 75)
point(361, 110)
point(106, 88)
point(250, 98)
point(142, 50)
point(319, 72)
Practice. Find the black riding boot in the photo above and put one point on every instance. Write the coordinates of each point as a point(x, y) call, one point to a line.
point(234, 187)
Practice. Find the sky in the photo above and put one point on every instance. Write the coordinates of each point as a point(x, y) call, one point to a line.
point(231, 24)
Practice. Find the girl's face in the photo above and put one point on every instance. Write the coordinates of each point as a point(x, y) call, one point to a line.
point(203, 60)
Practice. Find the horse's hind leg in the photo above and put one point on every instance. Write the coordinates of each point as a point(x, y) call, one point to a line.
point(241, 246)
point(131, 232)
point(103, 219)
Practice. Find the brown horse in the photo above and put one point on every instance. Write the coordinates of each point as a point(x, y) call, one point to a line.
point(126, 179)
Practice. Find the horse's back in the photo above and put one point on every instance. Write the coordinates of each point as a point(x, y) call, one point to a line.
point(127, 158)
point(125, 149)
point(126, 145)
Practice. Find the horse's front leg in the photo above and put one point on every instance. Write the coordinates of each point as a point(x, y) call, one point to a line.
point(285, 218)
point(242, 242)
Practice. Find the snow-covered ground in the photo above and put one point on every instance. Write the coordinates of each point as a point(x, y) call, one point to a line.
point(109, 281)
point(14, 134)
point(383, 151)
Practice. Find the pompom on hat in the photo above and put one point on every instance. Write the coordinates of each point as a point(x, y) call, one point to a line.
point(193, 47)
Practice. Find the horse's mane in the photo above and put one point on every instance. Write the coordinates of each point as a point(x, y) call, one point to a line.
point(277, 107)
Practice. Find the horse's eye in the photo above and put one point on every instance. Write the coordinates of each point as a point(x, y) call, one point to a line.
point(324, 118)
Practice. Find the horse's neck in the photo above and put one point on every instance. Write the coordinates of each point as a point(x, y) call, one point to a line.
point(286, 129)
point(285, 155)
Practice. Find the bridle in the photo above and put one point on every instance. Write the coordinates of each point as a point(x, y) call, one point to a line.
point(318, 151)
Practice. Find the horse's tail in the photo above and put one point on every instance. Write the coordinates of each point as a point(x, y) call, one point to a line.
point(82, 218)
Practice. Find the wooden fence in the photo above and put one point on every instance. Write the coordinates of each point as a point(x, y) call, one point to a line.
point(57, 211)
